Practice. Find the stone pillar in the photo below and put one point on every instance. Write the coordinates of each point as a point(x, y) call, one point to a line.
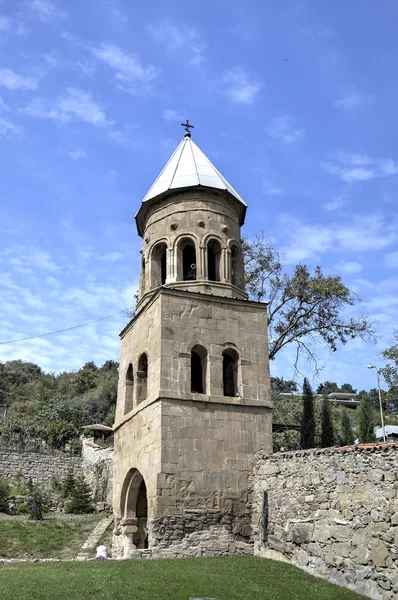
point(215, 368)
point(201, 267)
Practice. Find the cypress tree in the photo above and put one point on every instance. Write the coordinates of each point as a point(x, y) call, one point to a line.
point(307, 425)
point(347, 436)
point(365, 421)
point(327, 433)
point(35, 504)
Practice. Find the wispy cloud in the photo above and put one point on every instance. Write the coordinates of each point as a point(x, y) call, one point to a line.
point(283, 130)
point(76, 104)
point(77, 153)
point(128, 69)
point(7, 128)
point(352, 167)
point(240, 86)
point(14, 81)
point(178, 36)
point(269, 189)
point(116, 12)
point(171, 115)
point(30, 256)
point(5, 23)
point(350, 99)
point(391, 260)
point(348, 267)
point(335, 204)
point(45, 10)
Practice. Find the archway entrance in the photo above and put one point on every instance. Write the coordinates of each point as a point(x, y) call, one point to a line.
point(134, 510)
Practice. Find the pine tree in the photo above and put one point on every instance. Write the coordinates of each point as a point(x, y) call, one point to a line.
point(4, 494)
point(80, 502)
point(35, 504)
point(68, 485)
point(327, 433)
point(365, 421)
point(347, 436)
point(307, 426)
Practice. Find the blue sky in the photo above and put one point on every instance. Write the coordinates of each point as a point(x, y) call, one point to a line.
point(294, 102)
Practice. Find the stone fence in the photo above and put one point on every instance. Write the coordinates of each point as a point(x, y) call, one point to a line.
point(38, 467)
point(332, 512)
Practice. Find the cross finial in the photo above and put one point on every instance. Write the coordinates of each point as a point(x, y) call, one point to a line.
point(187, 127)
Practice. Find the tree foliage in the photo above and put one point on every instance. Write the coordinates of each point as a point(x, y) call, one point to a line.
point(35, 504)
point(365, 421)
point(304, 307)
point(80, 502)
point(327, 433)
point(280, 385)
point(307, 425)
point(347, 436)
point(4, 494)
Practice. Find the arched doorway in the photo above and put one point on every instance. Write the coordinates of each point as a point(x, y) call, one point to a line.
point(134, 511)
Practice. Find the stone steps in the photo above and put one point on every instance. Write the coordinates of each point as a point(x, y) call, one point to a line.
point(91, 542)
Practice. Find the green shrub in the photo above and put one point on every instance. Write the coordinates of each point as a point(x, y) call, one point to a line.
point(46, 508)
point(22, 508)
point(35, 505)
point(4, 494)
point(80, 502)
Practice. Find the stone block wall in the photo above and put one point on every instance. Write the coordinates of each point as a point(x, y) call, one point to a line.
point(38, 467)
point(332, 512)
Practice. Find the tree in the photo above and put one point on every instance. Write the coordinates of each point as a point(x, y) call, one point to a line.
point(307, 425)
point(80, 502)
point(327, 433)
point(278, 384)
point(326, 388)
point(4, 494)
point(347, 388)
point(35, 504)
point(347, 436)
point(304, 308)
point(365, 421)
point(68, 485)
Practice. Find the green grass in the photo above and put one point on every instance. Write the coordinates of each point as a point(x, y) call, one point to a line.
point(54, 537)
point(231, 578)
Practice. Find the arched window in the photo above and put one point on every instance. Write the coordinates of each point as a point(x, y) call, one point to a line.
point(158, 265)
point(198, 369)
point(213, 260)
point(230, 372)
point(186, 260)
point(129, 388)
point(142, 377)
point(237, 270)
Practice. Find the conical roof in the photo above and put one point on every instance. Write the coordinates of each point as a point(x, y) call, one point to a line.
point(189, 167)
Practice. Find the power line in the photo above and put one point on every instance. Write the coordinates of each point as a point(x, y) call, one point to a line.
point(33, 337)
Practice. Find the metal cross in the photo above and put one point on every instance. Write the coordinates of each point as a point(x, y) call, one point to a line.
point(187, 127)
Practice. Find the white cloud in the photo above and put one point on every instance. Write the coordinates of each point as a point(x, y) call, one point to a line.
point(352, 167)
point(335, 204)
point(348, 267)
point(179, 37)
point(115, 11)
point(391, 260)
point(13, 81)
point(270, 189)
point(128, 69)
point(111, 257)
point(5, 23)
point(171, 115)
point(76, 104)
point(77, 153)
point(240, 86)
point(29, 256)
point(350, 99)
point(46, 11)
point(7, 128)
point(283, 130)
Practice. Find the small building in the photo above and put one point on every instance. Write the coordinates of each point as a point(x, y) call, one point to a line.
point(391, 433)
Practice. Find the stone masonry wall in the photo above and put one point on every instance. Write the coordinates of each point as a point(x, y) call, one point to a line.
point(332, 512)
point(38, 467)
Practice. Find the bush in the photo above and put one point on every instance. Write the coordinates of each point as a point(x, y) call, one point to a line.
point(22, 508)
point(80, 502)
point(35, 505)
point(4, 494)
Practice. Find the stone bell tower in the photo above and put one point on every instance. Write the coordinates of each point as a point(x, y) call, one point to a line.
point(194, 391)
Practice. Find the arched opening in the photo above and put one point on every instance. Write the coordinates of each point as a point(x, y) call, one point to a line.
point(158, 265)
point(213, 260)
point(134, 511)
point(129, 388)
point(230, 360)
point(237, 269)
point(142, 377)
point(186, 260)
point(198, 370)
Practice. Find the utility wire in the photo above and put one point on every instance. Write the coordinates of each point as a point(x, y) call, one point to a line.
point(33, 337)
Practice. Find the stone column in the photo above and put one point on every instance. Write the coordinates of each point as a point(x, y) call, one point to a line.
point(201, 267)
point(215, 368)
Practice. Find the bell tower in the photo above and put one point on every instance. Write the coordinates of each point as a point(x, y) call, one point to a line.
point(194, 400)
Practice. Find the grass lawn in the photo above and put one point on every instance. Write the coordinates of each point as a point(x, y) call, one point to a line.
point(230, 578)
point(54, 537)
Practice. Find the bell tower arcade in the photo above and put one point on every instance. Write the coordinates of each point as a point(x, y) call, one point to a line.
point(194, 400)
